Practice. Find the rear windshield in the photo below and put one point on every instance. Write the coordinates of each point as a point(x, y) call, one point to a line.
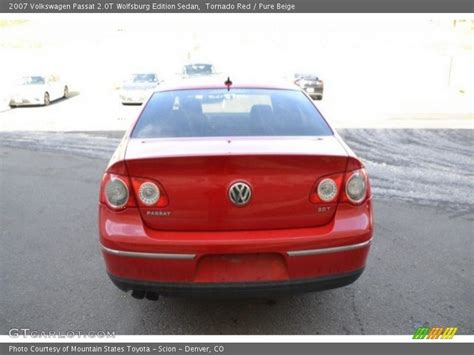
point(32, 80)
point(198, 69)
point(143, 78)
point(222, 113)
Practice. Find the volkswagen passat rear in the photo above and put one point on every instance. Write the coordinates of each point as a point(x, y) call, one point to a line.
point(233, 190)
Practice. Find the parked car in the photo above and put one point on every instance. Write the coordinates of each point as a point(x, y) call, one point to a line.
point(310, 83)
point(38, 90)
point(198, 69)
point(253, 195)
point(138, 87)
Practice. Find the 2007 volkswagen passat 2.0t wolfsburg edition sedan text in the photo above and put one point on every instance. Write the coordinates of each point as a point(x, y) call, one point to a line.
point(233, 190)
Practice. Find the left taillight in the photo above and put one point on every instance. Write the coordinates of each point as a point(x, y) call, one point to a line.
point(119, 191)
point(150, 193)
point(115, 191)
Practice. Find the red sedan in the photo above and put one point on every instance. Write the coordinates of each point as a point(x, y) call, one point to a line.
point(233, 190)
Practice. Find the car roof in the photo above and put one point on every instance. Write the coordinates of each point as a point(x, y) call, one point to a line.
point(306, 75)
point(43, 75)
point(218, 82)
point(197, 63)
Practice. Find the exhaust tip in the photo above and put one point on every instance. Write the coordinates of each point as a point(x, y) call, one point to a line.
point(138, 294)
point(152, 296)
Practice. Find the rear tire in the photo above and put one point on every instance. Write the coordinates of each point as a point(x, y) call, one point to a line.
point(66, 92)
point(46, 100)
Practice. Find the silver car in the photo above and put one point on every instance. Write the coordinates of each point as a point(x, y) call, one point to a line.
point(38, 90)
point(312, 84)
point(138, 87)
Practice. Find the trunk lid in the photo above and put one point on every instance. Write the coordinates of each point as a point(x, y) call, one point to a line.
point(197, 174)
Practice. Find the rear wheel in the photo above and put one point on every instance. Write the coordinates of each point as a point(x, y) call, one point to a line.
point(46, 100)
point(66, 92)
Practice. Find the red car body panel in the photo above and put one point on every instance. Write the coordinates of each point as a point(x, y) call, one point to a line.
point(198, 237)
point(126, 231)
point(196, 179)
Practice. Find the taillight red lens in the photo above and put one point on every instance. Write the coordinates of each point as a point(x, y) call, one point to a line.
point(149, 193)
point(326, 189)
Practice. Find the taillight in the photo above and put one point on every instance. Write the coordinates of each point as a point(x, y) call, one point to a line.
point(351, 187)
point(115, 191)
point(356, 188)
point(149, 193)
point(119, 192)
point(326, 189)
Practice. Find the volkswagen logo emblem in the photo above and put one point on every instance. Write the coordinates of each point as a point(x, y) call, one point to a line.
point(240, 193)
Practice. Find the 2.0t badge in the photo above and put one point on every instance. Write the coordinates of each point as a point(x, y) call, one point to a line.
point(240, 193)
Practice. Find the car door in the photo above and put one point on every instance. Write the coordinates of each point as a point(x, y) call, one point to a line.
point(55, 87)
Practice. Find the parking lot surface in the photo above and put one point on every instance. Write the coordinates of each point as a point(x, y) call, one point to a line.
point(419, 270)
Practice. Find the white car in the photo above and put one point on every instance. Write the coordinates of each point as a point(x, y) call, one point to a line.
point(135, 90)
point(38, 90)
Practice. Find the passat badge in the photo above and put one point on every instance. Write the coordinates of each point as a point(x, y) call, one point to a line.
point(154, 213)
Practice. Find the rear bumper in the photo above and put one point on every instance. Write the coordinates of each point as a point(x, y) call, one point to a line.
point(132, 99)
point(314, 91)
point(26, 102)
point(238, 289)
point(304, 259)
point(132, 102)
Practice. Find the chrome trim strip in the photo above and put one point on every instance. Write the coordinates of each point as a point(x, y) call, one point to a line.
point(136, 254)
point(329, 250)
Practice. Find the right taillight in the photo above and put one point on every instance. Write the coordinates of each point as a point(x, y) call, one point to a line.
point(356, 186)
point(326, 190)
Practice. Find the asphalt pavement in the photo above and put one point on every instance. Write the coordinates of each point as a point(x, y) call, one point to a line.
point(419, 270)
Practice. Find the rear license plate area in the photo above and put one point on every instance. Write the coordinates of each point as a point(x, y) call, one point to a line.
point(241, 268)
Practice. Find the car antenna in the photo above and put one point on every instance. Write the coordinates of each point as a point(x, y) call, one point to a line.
point(228, 83)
